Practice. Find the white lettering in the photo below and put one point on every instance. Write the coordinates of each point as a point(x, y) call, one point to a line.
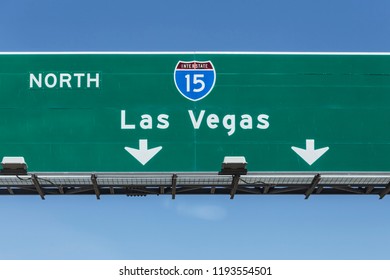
point(212, 121)
point(229, 122)
point(78, 76)
point(196, 122)
point(123, 121)
point(33, 79)
point(54, 80)
point(65, 79)
point(246, 122)
point(146, 122)
point(163, 121)
point(263, 121)
point(94, 80)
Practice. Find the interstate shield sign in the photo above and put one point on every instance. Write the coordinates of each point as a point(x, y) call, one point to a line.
point(194, 79)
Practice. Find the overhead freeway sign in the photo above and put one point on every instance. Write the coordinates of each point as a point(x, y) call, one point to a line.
point(184, 112)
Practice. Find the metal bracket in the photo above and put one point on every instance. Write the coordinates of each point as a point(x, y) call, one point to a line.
point(236, 179)
point(95, 185)
point(385, 191)
point(37, 185)
point(174, 181)
point(313, 185)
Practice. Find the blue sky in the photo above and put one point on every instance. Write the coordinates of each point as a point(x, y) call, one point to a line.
point(195, 227)
point(247, 25)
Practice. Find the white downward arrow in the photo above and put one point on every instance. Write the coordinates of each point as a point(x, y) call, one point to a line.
point(310, 155)
point(143, 154)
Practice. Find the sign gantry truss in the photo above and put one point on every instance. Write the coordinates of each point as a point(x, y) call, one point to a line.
point(174, 184)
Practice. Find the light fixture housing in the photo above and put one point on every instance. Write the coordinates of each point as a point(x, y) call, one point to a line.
point(13, 166)
point(234, 165)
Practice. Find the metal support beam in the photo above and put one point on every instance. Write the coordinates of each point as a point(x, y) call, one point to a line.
point(235, 180)
point(348, 189)
point(319, 189)
point(249, 190)
point(266, 189)
point(286, 190)
point(174, 181)
point(194, 184)
point(79, 190)
point(313, 185)
point(185, 190)
point(385, 191)
point(38, 186)
point(61, 189)
point(95, 185)
point(369, 189)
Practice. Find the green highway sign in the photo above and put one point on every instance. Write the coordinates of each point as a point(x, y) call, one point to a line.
point(157, 112)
